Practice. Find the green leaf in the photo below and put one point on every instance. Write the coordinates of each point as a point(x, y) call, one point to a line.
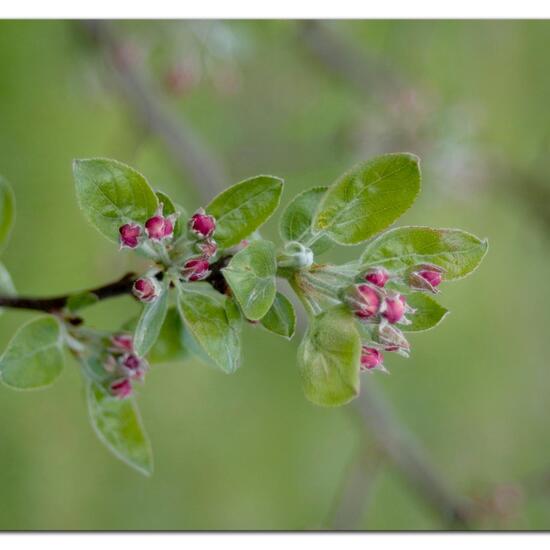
point(428, 313)
point(118, 425)
point(281, 317)
point(170, 345)
point(111, 194)
point(328, 358)
point(251, 276)
point(368, 198)
point(173, 340)
point(34, 356)
point(297, 220)
point(456, 251)
point(204, 312)
point(244, 207)
point(150, 322)
point(7, 211)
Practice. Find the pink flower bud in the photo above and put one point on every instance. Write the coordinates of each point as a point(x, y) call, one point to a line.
point(123, 342)
point(432, 277)
point(395, 309)
point(370, 358)
point(426, 277)
point(146, 289)
point(207, 248)
point(378, 277)
point(129, 235)
point(159, 227)
point(196, 269)
point(368, 301)
point(134, 366)
point(202, 224)
point(393, 339)
point(121, 388)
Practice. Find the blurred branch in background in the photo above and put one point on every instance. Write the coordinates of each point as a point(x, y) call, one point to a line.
point(190, 155)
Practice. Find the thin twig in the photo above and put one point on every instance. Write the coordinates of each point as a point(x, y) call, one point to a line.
point(189, 154)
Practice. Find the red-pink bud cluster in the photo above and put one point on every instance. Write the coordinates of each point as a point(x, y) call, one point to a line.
point(123, 364)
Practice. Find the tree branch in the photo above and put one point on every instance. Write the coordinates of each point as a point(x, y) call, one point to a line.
point(57, 303)
point(189, 154)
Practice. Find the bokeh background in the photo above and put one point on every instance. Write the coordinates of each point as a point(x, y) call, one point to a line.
point(304, 101)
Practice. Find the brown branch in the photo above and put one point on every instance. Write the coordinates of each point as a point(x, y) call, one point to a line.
point(190, 155)
point(57, 303)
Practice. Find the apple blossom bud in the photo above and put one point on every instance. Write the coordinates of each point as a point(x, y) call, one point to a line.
point(378, 277)
point(121, 388)
point(134, 366)
point(159, 227)
point(207, 248)
point(202, 224)
point(394, 309)
point(123, 342)
point(370, 358)
point(129, 235)
point(196, 269)
point(146, 289)
point(426, 277)
point(433, 277)
point(364, 300)
point(392, 339)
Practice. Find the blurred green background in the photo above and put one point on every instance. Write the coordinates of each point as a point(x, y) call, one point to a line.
point(247, 451)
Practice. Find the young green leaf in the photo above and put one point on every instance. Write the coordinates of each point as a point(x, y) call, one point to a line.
point(251, 276)
point(150, 322)
point(297, 220)
point(456, 251)
point(281, 317)
point(172, 342)
point(204, 312)
point(118, 425)
point(328, 358)
point(368, 198)
point(428, 313)
point(7, 211)
point(112, 194)
point(242, 208)
point(34, 356)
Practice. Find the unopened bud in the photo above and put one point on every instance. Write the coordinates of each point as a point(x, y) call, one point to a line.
point(370, 358)
point(207, 248)
point(134, 366)
point(159, 227)
point(202, 224)
point(123, 342)
point(426, 277)
point(121, 388)
point(129, 235)
point(364, 300)
point(377, 276)
point(394, 309)
point(393, 340)
point(196, 269)
point(146, 289)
